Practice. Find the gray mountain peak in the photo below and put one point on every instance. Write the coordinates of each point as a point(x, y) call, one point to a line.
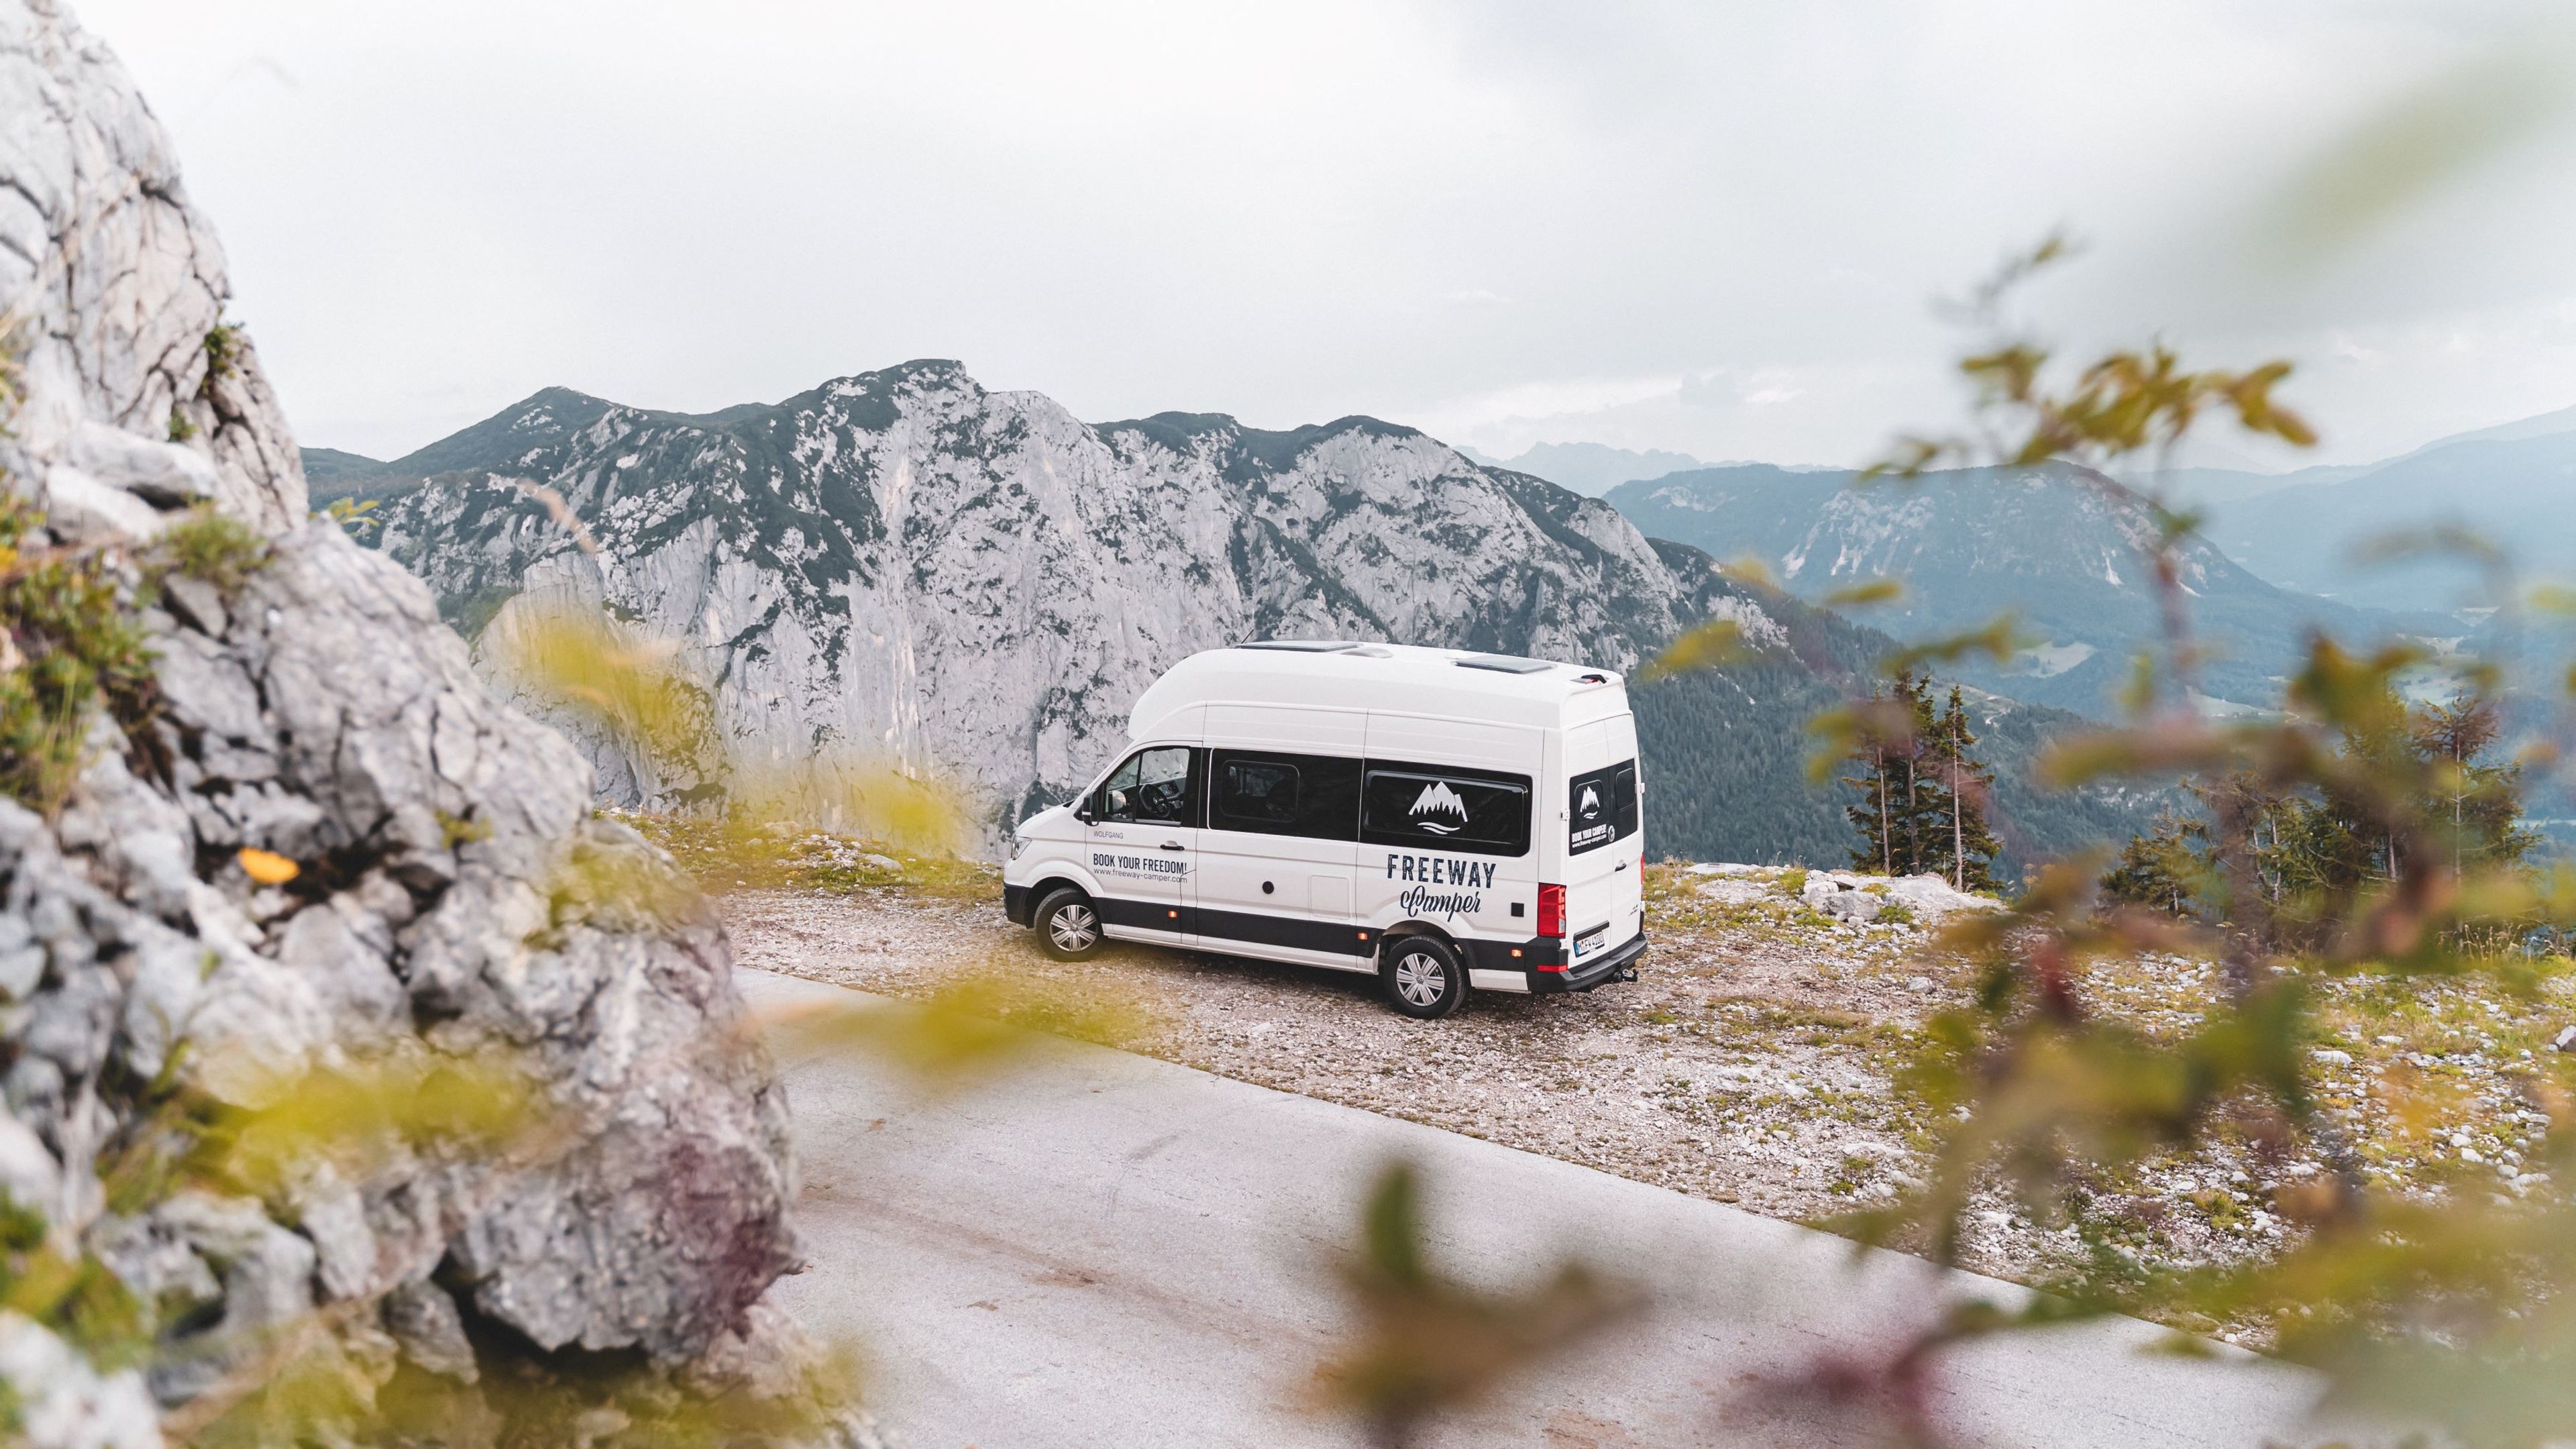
point(905, 565)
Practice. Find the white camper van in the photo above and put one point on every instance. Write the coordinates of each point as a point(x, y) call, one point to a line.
point(1443, 820)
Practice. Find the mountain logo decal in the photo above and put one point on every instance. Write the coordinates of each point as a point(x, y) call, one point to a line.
point(1436, 800)
point(1590, 805)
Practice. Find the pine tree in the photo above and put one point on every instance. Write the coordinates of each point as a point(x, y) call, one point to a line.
point(1870, 817)
point(1906, 822)
point(1921, 814)
point(2482, 803)
point(1965, 850)
point(2162, 869)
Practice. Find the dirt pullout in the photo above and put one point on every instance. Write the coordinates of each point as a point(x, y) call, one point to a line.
point(1746, 1075)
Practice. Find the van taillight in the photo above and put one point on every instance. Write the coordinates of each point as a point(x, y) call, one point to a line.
point(1551, 910)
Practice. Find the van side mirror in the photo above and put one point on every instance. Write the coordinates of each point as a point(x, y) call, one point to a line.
point(1082, 812)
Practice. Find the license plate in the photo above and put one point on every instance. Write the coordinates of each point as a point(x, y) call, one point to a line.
point(1591, 941)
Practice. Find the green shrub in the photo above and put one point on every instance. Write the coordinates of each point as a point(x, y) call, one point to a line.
point(71, 644)
point(208, 545)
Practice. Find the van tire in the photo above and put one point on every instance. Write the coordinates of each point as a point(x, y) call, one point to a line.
point(1424, 977)
point(1068, 925)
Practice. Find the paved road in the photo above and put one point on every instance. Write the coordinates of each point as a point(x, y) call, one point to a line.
point(1110, 1250)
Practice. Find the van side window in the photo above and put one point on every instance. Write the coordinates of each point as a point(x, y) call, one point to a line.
point(1316, 796)
point(1149, 787)
point(1601, 807)
point(1477, 812)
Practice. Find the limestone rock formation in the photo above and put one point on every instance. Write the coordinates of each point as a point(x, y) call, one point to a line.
point(906, 565)
point(452, 900)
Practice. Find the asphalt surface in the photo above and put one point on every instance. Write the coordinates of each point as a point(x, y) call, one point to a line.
point(1104, 1249)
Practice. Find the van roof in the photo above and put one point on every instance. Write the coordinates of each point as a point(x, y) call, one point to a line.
point(1334, 674)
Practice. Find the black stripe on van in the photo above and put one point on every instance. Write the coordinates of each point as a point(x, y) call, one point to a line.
point(1286, 931)
point(1251, 928)
point(1144, 915)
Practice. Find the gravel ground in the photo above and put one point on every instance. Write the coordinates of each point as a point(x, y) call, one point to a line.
point(1753, 1063)
point(1741, 1069)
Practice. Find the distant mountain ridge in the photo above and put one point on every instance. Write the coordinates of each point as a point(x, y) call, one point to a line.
point(2510, 489)
point(1591, 469)
point(2060, 546)
point(904, 563)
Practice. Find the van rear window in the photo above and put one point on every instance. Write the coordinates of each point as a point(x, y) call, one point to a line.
point(1601, 807)
point(1476, 812)
point(1317, 796)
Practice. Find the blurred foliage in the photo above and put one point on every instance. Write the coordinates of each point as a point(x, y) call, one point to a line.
point(1713, 645)
point(730, 852)
point(628, 686)
point(2354, 833)
point(2122, 404)
point(307, 1381)
point(983, 1021)
point(2363, 179)
point(2368, 829)
point(355, 516)
point(53, 1283)
point(1863, 595)
point(613, 680)
point(1428, 1344)
point(306, 1388)
point(870, 799)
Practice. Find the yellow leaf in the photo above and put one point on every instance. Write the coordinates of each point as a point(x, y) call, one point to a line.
point(1713, 645)
point(1876, 591)
point(268, 867)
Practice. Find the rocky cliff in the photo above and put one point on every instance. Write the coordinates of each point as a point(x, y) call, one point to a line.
point(904, 564)
point(310, 846)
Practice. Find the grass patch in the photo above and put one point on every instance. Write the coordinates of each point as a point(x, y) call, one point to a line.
point(210, 547)
point(72, 644)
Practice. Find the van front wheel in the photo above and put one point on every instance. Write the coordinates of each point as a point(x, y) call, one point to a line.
point(1068, 925)
point(1424, 978)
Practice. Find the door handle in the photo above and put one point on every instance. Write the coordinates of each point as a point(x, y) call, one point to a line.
point(1174, 845)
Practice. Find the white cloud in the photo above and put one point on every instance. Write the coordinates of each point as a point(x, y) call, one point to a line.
point(1138, 205)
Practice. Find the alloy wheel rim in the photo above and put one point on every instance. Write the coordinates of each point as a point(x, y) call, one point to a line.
point(1420, 978)
point(1074, 928)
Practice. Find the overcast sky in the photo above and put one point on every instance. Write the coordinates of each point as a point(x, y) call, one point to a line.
point(1712, 227)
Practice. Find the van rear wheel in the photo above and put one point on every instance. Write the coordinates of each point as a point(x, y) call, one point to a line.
point(1424, 978)
point(1068, 925)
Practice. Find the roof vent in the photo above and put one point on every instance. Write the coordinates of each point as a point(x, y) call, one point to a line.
point(1505, 664)
point(1300, 646)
